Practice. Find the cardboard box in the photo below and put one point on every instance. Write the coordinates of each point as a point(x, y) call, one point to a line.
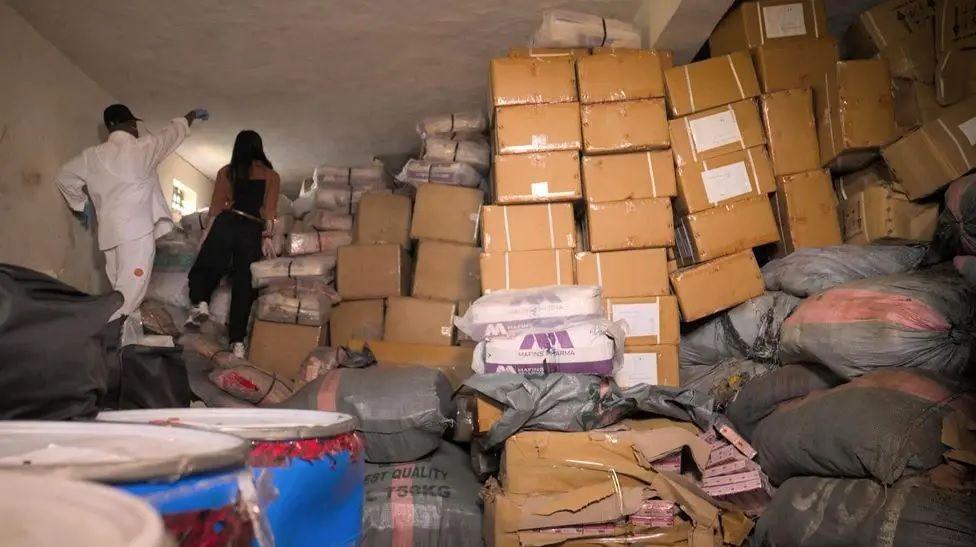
point(752, 24)
point(356, 320)
point(630, 224)
point(543, 52)
point(876, 174)
point(537, 128)
point(717, 285)
point(955, 50)
point(726, 229)
point(806, 211)
point(528, 227)
point(855, 112)
point(419, 321)
point(372, 271)
point(616, 177)
point(620, 77)
point(621, 274)
point(716, 131)
point(453, 361)
point(537, 178)
point(280, 348)
point(899, 31)
point(526, 269)
point(713, 82)
point(795, 64)
point(937, 153)
point(650, 320)
point(532, 80)
point(730, 177)
point(447, 213)
point(625, 126)
point(447, 271)
point(915, 104)
point(652, 365)
point(791, 130)
point(383, 218)
point(879, 214)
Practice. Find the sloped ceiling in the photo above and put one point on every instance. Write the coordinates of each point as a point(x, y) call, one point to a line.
point(321, 80)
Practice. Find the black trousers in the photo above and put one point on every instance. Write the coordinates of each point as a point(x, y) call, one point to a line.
point(233, 244)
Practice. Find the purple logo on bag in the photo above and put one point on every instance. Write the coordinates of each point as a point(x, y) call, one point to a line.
point(547, 340)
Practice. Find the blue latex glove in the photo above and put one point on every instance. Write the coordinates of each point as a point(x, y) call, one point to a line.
point(87, 216)
point(202, 114)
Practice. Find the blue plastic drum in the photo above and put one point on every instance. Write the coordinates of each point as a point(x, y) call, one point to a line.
point(197, 480)
point(309, 464)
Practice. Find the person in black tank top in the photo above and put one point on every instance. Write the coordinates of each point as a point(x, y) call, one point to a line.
point(243, 211)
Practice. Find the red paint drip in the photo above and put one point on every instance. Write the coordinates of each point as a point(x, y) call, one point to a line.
point(280, 453)
point(224, 527)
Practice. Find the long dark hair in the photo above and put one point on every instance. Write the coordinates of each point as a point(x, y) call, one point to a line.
point(248, 148)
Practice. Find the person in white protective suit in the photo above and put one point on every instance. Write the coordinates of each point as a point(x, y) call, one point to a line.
point(120, 177)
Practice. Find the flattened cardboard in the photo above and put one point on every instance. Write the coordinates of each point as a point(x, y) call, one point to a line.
point(791, 130)
point(630, 224)
point(383, 218)
point(537, 128)
point(717, 285)
point(754, 23)
point(726, 229)
point(356, 320)
point(855, 112)
point(612, 77)
point(616, 177)
point(650, 320)
point(528, 227)
point(620, 274)
point(372, 271)
point(447, 271)
point(526, 269)
point(419, 321)
point(280, 348)
point(532, 80)
point(955, 50)
point(879, 214)
point(806, 211)
point(574, 52)
point(537, 178)
point(716, 131)
point(724, 179)
point(447, 213)
point(626, 126)
point(899, 31)
point(652, 365)
point(453, 361)
point(795, 64)
point(713, 82)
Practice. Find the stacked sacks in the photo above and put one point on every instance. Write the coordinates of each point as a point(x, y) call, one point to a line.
point(809, 271)
point(295, 290)
point(455, 152)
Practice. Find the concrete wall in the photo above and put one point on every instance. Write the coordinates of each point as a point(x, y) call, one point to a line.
point(49, 111)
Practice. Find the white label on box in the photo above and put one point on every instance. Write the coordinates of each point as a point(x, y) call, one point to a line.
point(540, 140)
point(714, 131)
point(540, 189)
point(638, 368)
point(445, 330)
point(642, 319)
point(726, 182)
point(783, 21)
point(968, 128)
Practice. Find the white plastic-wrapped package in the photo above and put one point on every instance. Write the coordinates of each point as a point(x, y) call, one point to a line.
point(304, 204)
point(333, 198)
point(265, 272)
point(306, 243)
point(301, 226)
point(278, 308)
point(301, 287)
point(284, 206)
point(417, 172)
point(474, 152)
point(333, 175)
point(563, 28)
point(170, 288)
point(322, 219)
point(448, 125)
point(589, 347)
point(508, 313)
point(282, 227)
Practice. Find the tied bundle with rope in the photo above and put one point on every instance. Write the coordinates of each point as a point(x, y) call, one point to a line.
point(304, 310)
point(306, 243)
point(238, 377)
point(453, 173)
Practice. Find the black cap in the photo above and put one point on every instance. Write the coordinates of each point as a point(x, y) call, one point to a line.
point(118, 113)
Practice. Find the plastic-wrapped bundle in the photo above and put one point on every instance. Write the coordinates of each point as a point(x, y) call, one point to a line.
point(282, 227)
point(957, 223)
point(417, 172)
point(333, 198)
point(924, 319)
point(318, 362)
point(170, 288)
point(194, 224)
point(509, 313)
point(306, 243)
point(831, 511)
point(304, 204)
point(563, 28)
point(322, 219)
point(175, 252)
point(278, 308)
point(249, 383)
point(450, 125)
point(432, 501)
point(402, 412)
point(811, 270)
point(474, 152)
point(266, 272)
point(723, 380)
point(333, 175)
point(304, 287)
point(749, 331)
point(589, 347)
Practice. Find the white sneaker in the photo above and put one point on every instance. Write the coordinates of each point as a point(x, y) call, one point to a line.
point(237, 348)
point(199, 315)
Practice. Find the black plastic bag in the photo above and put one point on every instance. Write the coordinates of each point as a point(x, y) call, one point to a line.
point(148, 377)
